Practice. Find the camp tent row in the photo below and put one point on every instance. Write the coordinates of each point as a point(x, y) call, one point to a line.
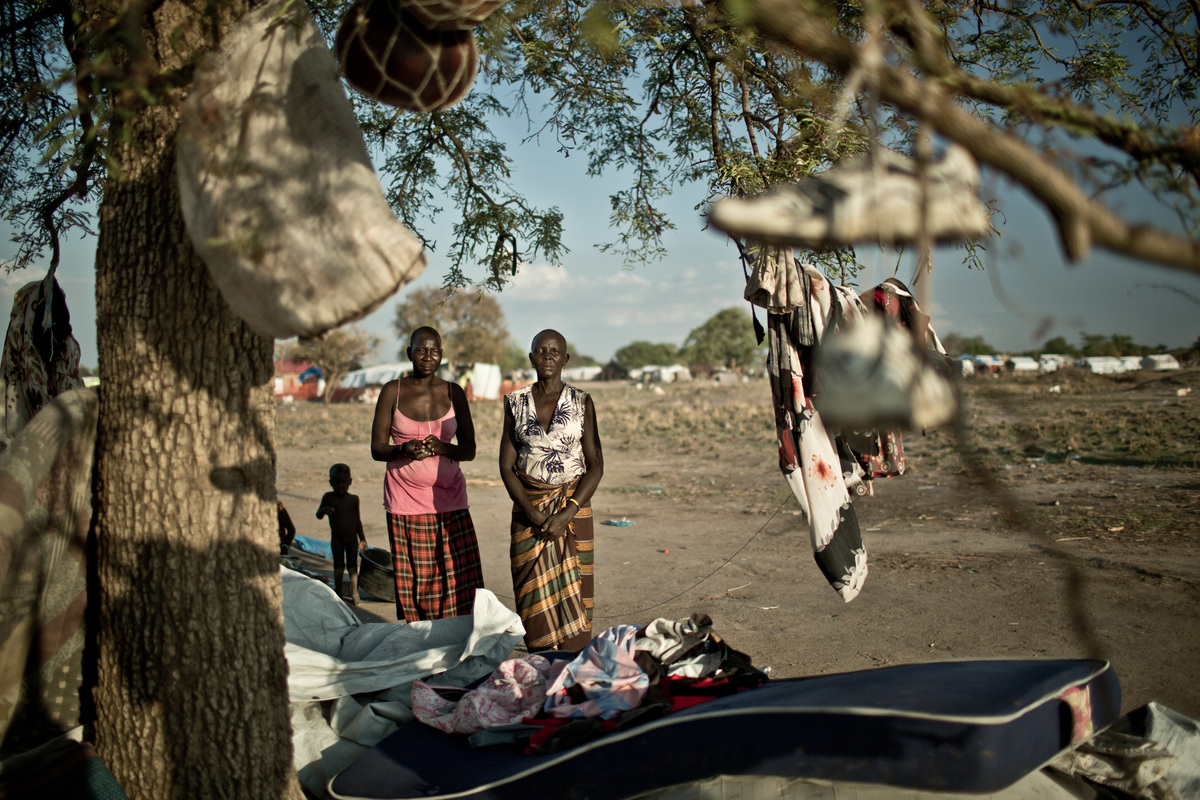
point(1050, 362)
point(485, 379)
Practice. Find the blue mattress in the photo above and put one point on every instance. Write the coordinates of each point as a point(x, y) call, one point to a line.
point(957, 726)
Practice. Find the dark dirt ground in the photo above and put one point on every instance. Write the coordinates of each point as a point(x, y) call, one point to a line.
point(1080, 535)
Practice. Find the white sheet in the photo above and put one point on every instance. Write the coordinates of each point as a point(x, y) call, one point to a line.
point(350, 683)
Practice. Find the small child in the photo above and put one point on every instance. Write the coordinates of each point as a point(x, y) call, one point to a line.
point(345, 528)
point(287, 528)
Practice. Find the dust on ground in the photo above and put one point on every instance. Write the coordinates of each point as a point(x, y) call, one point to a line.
point(1080, 535)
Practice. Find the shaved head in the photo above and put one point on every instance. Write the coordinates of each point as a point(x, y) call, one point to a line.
point(549, 332)
point(422, 331)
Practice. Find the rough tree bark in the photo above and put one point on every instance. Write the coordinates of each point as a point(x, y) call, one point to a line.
point(191, 695)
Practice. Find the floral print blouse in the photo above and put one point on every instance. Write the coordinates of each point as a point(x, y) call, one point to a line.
point(556, 456)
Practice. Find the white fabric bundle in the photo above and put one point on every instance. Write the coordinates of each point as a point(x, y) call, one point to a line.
point(279, 195)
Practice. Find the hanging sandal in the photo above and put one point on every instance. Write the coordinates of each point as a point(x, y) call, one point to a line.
point(874, 197)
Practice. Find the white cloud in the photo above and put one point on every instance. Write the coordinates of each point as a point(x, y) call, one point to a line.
point(12, 281)
point(540, 282)
point(625, 277)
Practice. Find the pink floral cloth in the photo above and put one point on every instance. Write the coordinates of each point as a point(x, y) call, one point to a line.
point(515, 690)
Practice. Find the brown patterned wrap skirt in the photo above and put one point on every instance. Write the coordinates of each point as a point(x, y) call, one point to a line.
point(552, 578)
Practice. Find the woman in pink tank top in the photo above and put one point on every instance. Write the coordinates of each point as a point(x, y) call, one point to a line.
point(423, 429)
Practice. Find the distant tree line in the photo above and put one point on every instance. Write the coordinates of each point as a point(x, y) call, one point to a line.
point(473, 329)
point(1090, 344)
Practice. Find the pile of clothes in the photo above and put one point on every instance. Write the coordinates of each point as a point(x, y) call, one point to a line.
point(626, 676)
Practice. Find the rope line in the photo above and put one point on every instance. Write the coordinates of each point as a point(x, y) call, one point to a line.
point(709, 575)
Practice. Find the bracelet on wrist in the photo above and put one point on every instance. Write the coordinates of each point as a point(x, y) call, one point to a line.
point(576, 502)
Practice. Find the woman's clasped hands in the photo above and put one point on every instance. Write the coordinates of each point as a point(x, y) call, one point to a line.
point(421, 449)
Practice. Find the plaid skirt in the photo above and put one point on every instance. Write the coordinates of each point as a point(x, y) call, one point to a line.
point(436, 558)
point(552, 578)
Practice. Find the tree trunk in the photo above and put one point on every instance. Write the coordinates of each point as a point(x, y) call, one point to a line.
point(191, 695)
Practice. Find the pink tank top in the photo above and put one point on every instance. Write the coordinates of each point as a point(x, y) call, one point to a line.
point(432, 486)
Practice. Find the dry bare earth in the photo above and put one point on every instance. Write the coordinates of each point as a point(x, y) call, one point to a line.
point(1100, 481)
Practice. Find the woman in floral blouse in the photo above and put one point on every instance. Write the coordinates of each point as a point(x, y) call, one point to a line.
point(551, 464)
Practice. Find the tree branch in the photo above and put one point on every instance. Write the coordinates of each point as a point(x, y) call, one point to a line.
point(1080, 219)
point(1131, 139)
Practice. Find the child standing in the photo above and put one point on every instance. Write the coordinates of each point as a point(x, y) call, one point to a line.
point(287, 528)
point(345, 528)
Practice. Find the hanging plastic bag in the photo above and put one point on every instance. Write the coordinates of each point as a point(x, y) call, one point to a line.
point(279, 195)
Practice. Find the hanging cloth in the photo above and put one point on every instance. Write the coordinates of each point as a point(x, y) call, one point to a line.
point(41, 357)
point(818, 466)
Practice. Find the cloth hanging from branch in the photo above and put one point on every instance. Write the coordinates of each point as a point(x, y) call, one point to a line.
point(814, 462)
point(278, 192)
point(41, 357)
point(825, 467)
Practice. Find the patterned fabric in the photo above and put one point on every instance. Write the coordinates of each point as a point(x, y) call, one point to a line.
point(515, 690)
point(823, 467)
point(27, 383)
point(552, 579)
point(879, 454)
point(45, 512)
point(436, 559)
point(554, 456)
point(815, 464)
point(431, 485)
point(604, 674)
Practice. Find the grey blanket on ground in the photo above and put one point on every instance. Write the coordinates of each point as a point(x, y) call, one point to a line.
point(351, 683)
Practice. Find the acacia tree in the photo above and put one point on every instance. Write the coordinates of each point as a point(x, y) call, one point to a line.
point(737, 95)
point(336, 353)
point(471, 323)
point(191, 686)
point(956, 345)
point(644, 354)
point(742, 94)
point(725, 339)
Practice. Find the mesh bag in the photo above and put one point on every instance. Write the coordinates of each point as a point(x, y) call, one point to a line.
point(388, 54)
point(450, 15)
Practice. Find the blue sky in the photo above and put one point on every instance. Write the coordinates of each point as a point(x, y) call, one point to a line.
point(600, 307)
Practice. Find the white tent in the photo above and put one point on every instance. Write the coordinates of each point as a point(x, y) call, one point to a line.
point(1155, 361)
point(376, 375)
point(485, 381)
point(675, 372)
point(1103, 365)
point(1051, 362)
point(1022, 364)
point(990, 362)
point(576, 374)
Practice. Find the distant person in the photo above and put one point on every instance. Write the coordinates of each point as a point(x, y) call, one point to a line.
point(423, 430)
point(467, 381)
point(551, 464)
point(345, 529)
point(287, 528)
